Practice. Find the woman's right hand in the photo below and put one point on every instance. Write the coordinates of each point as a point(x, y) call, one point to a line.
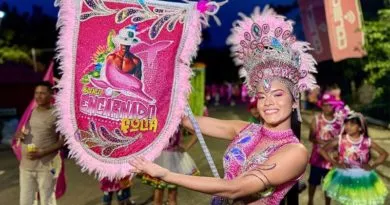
point(141, 165)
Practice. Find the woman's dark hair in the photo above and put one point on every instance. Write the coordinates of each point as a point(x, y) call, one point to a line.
point(295, 124)
point(360, 122)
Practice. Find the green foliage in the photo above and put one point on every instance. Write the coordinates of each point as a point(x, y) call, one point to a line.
point(14, 53)
point(377, 63)
point(20, 32)
point(377, 45)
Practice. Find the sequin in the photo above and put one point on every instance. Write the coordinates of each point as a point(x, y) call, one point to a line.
point(105, 140)
point(160, 17)
point(124, 14)
point(276, 44)
point(248, 141)
point(278, 31)
point(98, 8)
point(266, 85)
point(256, 31)
point(244, 140)
point(247, 36)
point(237, 154)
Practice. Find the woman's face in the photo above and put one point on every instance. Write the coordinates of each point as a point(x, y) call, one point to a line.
point(275, 106)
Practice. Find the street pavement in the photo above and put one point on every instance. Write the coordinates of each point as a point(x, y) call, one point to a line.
point(83, 189)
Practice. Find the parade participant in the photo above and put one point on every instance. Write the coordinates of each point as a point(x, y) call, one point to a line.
point(176, 159)
point(244, 94)
point(215, 94)
point(334, 90)
point(324, 128)
point(276, 68)
point(229, 94)
point(121, 188)
point(40, 159)
point(353, 180)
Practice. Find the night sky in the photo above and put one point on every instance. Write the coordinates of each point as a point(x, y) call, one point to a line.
point(217, 34)
point(213, 46)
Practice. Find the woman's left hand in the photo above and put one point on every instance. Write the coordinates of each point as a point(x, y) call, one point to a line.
point(140, 164)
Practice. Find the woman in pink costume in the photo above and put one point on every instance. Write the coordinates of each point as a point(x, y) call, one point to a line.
point(263, 161)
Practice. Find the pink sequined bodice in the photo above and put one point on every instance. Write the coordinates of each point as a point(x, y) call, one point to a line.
point(326, 130)
point(239, 157)
point(354, 154)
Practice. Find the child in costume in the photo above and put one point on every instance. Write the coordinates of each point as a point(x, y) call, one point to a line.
point(174, 158)
point(353, 180)
point(334, 90)
point(121, 187)
point(325, 127)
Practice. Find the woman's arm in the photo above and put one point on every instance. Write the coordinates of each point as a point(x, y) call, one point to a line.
point(289, 163)
point(382, 155)
point(223, 129)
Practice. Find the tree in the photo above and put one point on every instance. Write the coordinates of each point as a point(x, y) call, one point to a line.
point(14, 53)
point(377, 63)
point(36, 30)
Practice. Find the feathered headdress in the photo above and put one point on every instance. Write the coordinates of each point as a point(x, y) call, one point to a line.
point(264, 45)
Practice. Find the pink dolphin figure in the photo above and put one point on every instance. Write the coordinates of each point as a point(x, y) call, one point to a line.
point(114, 79)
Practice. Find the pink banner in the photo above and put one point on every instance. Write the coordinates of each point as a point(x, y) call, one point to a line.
point(126, 78)
point(344, 21)
point(333, 27)
point(315, 28)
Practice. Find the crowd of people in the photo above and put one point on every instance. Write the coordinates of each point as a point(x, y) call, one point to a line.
point(226, 93)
